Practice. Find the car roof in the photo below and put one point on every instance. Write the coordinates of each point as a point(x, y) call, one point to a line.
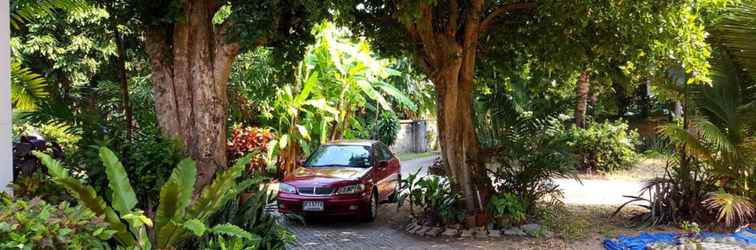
point(353, 142)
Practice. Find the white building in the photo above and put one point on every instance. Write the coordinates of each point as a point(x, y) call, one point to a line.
point(6, 151)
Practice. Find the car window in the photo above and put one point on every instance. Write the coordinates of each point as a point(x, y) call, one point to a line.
point(340, 156)
point(384, 153)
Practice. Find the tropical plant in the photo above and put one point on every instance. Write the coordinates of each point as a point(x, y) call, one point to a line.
point(507, 209)
point(437, 199)
point(407, 187)
point(350, 76)
point(35, 224)
point(676, 196)
point(251, 140)
point(27, 88)
point(253, 216)
point(733, 210)
point(410, 79)
point(386, 128)
point(534, 155)
point(179, 216)
point(298, 113)
point(603, 147)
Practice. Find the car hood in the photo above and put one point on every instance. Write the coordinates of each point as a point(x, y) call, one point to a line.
point(322, 176)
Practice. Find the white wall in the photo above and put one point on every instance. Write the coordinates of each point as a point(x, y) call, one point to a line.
point(6, 151)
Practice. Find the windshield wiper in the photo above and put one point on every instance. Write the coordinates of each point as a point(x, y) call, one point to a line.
point(329, 165)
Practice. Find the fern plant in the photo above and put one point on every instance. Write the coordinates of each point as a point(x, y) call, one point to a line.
point(178, 217)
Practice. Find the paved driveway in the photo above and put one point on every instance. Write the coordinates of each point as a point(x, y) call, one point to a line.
point(339, 233)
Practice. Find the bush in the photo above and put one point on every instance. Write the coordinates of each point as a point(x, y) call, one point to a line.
point(507, 209)
point(250, 140)
point(435, 196)
point(532, 158)
point(251, 215)
point(386, 128)
point(180, 214)
point(149, 161)
point(35, 224)
point(604, 147)
point(30, 178)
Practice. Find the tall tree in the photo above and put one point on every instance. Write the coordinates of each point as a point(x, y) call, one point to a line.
point(192, 45)
point(447, 37)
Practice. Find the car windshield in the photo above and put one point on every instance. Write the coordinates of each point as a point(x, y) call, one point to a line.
point(340, 156)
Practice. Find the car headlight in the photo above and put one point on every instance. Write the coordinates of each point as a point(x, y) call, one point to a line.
point(286, 188)
point(351, 189)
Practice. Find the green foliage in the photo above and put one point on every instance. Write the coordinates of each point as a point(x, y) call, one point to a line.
point(250, 214)
point(507, 209)
point(734, 210)
point(35, 224)
point(255, 78)
point(606, 146)
point(533, 156)
point(386, 128)
point(179, 216)
point(435, 196)
point(409, 79)
point(27, 88)
point(407, 187)
point(691, 228)
point(351, 78)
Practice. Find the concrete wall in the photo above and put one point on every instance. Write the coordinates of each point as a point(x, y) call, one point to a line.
point(416, 136)
point(6, 149)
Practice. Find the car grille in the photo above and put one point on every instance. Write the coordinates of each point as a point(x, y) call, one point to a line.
point(316, 190)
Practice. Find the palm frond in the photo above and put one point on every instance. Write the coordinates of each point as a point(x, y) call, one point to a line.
point(27, 88)
point(738, 33)
point(24, 11)
point(734, 210)
point(684, 139)
point(716, 137)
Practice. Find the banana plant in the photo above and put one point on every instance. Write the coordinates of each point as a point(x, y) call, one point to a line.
point(351, 76)
point(297, 111)
point(179, 216)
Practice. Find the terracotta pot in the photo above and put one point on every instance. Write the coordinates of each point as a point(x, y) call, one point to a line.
point(481, 219)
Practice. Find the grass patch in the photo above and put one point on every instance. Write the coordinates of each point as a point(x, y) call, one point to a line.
point(412, 156)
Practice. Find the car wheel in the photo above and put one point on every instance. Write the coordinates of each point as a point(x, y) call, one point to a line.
point(372, 211)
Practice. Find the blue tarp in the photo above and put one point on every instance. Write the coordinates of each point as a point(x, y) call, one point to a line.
point(746, 235)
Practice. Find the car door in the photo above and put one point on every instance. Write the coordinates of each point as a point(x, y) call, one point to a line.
point(388, 174)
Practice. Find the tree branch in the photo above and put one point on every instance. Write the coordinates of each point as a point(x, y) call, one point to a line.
point(503, 10)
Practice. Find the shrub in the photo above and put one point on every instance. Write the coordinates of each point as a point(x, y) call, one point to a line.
point(180, 214)
point(251, 215)
point(30, 178)
point(386, 128)
point(532, 158)
point(507, 209)
point(149, 160)
point(35, 224)
point(604, 146)
point(435, 196)
point(250, 140)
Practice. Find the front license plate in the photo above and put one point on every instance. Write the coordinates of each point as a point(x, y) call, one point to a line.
point(312, 206)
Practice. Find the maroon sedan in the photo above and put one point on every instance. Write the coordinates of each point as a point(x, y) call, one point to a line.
point(342, 178)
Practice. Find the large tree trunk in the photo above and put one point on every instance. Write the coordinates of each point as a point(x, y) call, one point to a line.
point(452, 71)
point(191, 61)
point(583, 87)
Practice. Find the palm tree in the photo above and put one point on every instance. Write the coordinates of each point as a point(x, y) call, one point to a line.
point(721, 134)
